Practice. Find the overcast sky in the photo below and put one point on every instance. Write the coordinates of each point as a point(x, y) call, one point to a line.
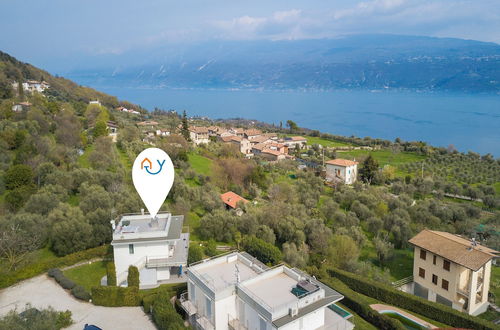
point(37, 29)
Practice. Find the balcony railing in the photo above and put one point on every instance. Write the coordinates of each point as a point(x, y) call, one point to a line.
point(187, 305)
point(235, 324)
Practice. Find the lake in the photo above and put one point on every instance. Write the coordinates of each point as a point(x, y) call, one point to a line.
point(467, 121)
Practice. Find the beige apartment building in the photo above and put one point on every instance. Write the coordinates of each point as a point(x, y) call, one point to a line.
point(451, 270)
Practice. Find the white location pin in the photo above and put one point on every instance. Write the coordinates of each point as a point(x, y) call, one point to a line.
point(153, 176)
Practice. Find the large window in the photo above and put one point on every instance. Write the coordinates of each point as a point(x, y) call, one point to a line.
point(446, 265)
point(444, 284)
point(434, 279)
point(208, 302)
point(434, 259)
point(421, 272)
point(262, 324)
point(131, 248)
point(423, 254)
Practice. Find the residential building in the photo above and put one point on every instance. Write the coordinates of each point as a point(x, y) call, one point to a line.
point(33, 86)
point(199, 134)
point(236, 291)
point(243, 144)
point(261, 139)
point(22, 106)
point(156, 246)
point(252, 133)
point(162, 132)
point(272, 155)
point(293, 141)
point(451, 270)
point(97, 102)
point(343, 170)
point(112, 130)
point(231, 199)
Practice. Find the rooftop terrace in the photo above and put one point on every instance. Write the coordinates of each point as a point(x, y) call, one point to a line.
point(140, 226)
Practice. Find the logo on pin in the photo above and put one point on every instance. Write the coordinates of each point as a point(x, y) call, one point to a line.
point(151, 166)
point(153, 176)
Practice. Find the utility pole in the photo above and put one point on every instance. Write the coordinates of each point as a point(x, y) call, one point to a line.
point(422, 170)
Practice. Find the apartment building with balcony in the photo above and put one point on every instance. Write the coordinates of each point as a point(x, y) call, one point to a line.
point(156, 246)
point(236, 291)
point(451, 270)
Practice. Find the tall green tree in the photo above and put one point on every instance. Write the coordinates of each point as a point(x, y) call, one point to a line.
point(185, 126)
point(369, 169)
point(292, 126)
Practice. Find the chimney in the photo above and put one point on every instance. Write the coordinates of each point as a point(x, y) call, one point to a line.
point(142, 211)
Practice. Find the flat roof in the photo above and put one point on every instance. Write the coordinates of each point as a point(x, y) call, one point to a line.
point(140, 227)
point(275, 291)
point(220, 273)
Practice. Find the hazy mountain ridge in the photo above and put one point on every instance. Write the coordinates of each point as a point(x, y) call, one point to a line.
point(363, 61)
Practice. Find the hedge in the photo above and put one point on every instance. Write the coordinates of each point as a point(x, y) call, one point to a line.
point(38, 268)
point(111, 274)
point(115, 296)
point(164, 315)
point(79, 292)
point(389, 295)
point(133, 276)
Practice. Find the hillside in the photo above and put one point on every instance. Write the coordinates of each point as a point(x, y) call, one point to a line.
point(61, 89)
point(352, 62)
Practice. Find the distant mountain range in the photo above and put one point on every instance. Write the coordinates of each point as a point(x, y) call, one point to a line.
point(351, 62)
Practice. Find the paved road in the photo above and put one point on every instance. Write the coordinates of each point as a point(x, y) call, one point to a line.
point(42, 291)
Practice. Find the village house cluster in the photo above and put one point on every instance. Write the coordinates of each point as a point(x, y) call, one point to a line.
point(32, 86)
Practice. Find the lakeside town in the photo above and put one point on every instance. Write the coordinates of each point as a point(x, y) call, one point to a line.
point(265, 228)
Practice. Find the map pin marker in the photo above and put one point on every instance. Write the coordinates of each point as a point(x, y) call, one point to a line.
point(153, 176)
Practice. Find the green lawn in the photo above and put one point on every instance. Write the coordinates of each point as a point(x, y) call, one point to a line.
point(200, 164)
point(325, 143)
point(88, 275)
point(83, 160)
point(384, 157)
point(400, 265)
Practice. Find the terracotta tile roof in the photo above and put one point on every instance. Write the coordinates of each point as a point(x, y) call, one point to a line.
point(342, 162)
point(231, 199)
point(253, 132)
point(298, 138)
point(260, 146)
point(272, 152)
point(454, 248)
point(226, 138)
point(260, 139)
point(198, 130)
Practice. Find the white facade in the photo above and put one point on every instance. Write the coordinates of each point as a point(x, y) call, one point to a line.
point(236, 291)
point(157, 247)
point(344, 170)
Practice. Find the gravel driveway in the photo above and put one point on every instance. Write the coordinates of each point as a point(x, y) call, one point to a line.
point(42, 291)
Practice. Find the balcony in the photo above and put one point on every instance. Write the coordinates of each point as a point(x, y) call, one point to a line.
point(187, 305)
point(235, 324)
point(204, 323)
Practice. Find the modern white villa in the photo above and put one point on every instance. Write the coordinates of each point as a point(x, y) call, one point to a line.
point(236, 291)
point(156, 246)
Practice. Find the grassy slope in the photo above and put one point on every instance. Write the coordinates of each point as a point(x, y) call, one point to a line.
point(384, 157)
point(400, 265)
point(83, 160)
point(88, 275)
point(200, 164)
point(325, 143)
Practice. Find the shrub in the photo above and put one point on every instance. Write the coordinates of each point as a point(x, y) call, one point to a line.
point(114, 296)
point(66, 283)
point(147, 302)
point(410, 302)
point(265, 252)
point(79, 292)
point(37, 268)
point(164, 315)
point(53, 272)
point(133, 276)
point(111, 273)
point(195, 253)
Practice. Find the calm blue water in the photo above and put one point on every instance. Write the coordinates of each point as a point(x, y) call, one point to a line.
point(469, 122)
